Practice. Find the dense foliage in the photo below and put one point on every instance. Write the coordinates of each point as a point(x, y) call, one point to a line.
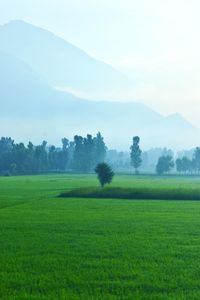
point(164, 165)
point(187, 165)
point(136, 153)
point(134, 193)
point(82, 154)
point(104, 173)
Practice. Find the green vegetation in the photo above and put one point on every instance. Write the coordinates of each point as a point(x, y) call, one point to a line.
point(137, 193)
point(56, 248)
point(82, 155)
point(164, 165)
point(136, 153)
point(104, 174)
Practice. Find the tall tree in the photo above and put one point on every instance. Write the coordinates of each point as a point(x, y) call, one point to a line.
point(100, 149)
point(89, 155)
point(52, 157)
point(19, 157)
point(41, 157)
point(63, 155)
point(70, 155)
point(78, 158)
point(136, 153)
point(88, 152)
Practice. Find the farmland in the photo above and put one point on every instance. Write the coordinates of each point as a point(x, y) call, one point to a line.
point(78, 248)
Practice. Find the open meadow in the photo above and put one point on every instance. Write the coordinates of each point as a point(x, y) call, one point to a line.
point(77, 248)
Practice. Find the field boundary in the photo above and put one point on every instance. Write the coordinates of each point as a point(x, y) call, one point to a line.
point(133, 193)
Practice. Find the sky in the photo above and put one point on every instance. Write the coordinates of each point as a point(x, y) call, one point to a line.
point(156, 42)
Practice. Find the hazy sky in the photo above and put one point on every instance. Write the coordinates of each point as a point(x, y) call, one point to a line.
point(154, 41)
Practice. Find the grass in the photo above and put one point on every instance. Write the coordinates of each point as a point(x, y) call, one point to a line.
point(134, 193)
point(56, 248)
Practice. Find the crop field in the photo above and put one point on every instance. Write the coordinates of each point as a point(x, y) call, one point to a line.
point(77, 248)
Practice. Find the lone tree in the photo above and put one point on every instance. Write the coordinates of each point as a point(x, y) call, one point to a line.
point(136, 153)
point(104, 173)
point(164, 164)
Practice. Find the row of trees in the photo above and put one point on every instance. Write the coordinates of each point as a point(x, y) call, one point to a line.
point(81, 155)
point(183, 165)
point(166, 162)
point(187, 165)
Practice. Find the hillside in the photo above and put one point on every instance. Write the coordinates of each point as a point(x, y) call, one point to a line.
point(59, 62)
point(31, 103)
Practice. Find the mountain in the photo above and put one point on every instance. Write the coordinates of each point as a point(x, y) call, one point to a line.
point(24, 93)
point(33, 62)
point(32, 109)
point(59, 62)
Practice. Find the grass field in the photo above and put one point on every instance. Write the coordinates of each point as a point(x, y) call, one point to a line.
point(66, 248)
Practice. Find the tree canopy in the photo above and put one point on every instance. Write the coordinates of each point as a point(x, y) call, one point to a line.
point(136, 153)
point(104, 173)
point(82, 155)
point(164, 165)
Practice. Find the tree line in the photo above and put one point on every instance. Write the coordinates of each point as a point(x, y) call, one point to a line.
point(80, 155)
point(166, 162)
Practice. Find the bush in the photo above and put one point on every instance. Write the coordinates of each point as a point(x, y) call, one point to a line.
point(134, 193)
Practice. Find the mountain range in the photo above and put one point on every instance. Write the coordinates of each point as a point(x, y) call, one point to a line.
point(59, 62)
point(37, 71)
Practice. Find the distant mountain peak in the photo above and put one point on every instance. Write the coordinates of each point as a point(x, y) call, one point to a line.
point(178, 119)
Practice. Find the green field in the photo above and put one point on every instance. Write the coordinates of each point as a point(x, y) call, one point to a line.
point(67, 248)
